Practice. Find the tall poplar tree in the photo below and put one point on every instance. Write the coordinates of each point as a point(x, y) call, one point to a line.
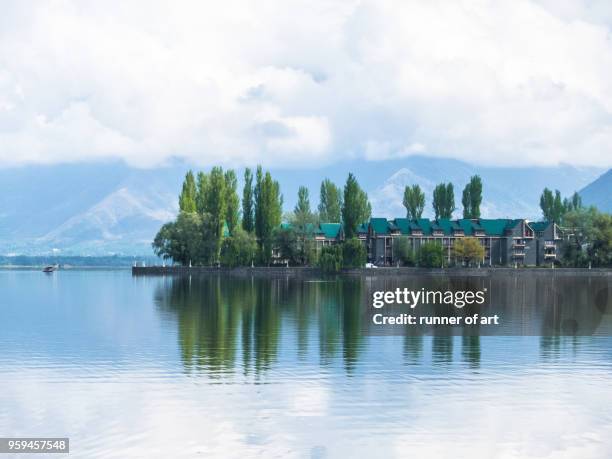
point(268, 212)
point(356, 208)
point(414, 202)
point(187, 198)
point(444, 200)
point(303, 214)
point(472, 198)
point(330, 202)
point(216, 206)
point(232, 201)
point(247, 202)
point(202, 192)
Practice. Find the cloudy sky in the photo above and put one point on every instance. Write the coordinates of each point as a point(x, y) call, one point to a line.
point(300, 82)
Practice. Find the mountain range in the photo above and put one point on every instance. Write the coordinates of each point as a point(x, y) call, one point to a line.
point(111, 208)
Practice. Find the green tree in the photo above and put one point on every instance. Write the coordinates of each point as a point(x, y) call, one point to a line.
point(444, 200)
point(287, 243)
point(268, 212)
point(330, 205)
point(187, 198)
point(414, 201)
point(403, 252)
point(472, 198)
point(589, 238)
point(431, 255)
point(330, 260)
point(248, 223)
point(259, 204)
point(216, 207)
point(181, 241)
point(469, 250)
point(353, 253)
point(202, 192)
point(558, 208)
point(239, 249)
point(232, 201)
point(302, 213)
point(356, 208)
point(475, 195)
point(466, 202)
point(553, 207)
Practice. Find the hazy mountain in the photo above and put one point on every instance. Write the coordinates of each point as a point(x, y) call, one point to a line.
point(85, 209)
point(98, 209)
point(507, 192)
point(599, 193)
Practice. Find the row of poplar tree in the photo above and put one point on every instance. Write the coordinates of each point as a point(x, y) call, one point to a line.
point(213, 226)
point(444, 200)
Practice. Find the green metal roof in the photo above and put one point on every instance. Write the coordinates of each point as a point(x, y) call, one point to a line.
point(403, 224)
point(363, 228)
point(494, 227)
point(469, 226)
point(425, 225)
point(330, 230)
point(379, 225)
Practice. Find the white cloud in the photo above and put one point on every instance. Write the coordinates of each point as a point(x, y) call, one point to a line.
point(511, 82)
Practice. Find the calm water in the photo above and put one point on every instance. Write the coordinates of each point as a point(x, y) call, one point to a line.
point(162, 367)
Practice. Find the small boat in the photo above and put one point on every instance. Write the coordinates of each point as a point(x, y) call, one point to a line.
point(50, 268)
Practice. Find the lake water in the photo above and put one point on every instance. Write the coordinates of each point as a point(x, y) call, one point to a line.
point(226, 367)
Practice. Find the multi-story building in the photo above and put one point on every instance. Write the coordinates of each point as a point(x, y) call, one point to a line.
point(506, 241)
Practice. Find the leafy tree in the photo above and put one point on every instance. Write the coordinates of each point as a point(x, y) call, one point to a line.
point(575, 202)
point(268, 211)
point(444, 200)
point(182, 240)
point(330, 260)
point(356, 208)
point(202, 192)
point(431, 255)
point(187, 198)
point(287, 243)
point(472, 198)
point(259, 204)
point(553, 207)
point(238, 250)
point(600, 250)
point(302, 213)
point(466, 202)
point(469, 250)
point(403, 252)
point(216, 206)
point(248, 223)
point(414, 201)
point(330, 205)
point(547, 204)
point(353, 253)
point(589, 238)
point(558, 209)
point(232, 201)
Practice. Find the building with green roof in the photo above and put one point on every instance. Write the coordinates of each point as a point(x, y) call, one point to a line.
point(506, 241)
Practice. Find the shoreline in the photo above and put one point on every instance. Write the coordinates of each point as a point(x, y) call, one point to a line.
point(364, 272)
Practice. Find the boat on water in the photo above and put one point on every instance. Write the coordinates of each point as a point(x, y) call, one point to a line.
point(50, 268)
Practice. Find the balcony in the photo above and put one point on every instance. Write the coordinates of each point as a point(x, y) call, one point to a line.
point(550, 255)
point(518, 254)
point(518, 243)
point(549, 243)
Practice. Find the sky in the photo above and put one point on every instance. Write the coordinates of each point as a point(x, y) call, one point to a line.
point(306, 83)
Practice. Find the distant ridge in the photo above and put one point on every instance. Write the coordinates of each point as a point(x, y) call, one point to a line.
point(599, 193)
